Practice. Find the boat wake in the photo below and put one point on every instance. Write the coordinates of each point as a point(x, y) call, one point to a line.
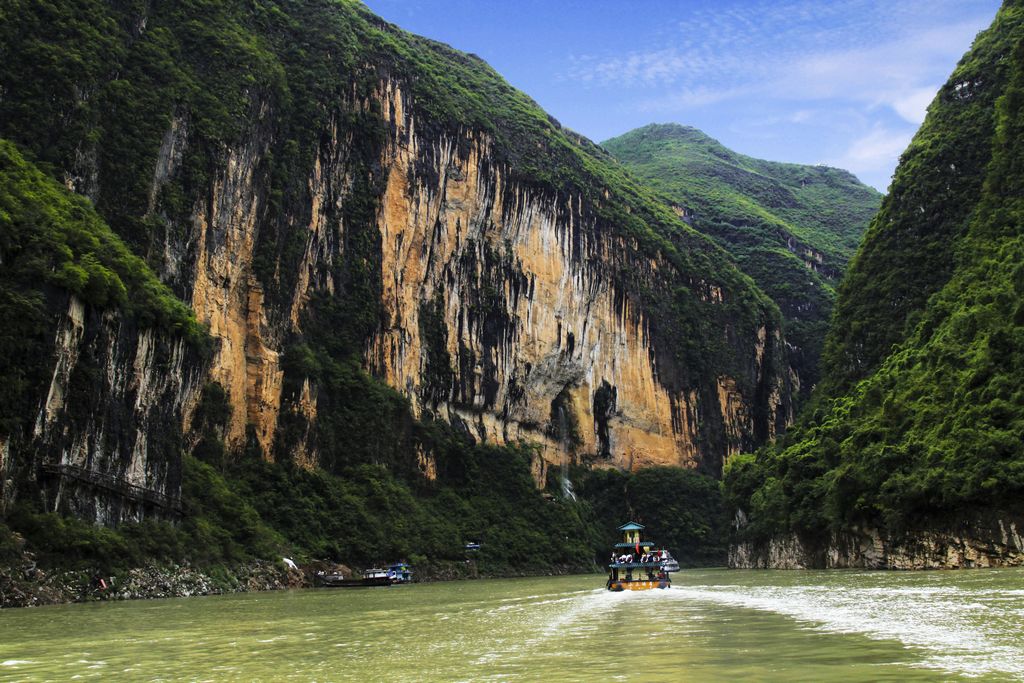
point(970, 632)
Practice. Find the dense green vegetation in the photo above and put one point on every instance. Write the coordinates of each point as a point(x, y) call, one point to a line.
point(258, 510)
point(775, 219)
point(907, 252)
point(935, 434)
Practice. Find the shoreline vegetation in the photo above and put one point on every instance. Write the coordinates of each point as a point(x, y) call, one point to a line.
point(234, 536)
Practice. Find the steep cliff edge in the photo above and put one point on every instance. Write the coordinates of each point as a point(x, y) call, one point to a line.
point(332, 195)
point(792, 228)
point(97, 359)
point(913, 455)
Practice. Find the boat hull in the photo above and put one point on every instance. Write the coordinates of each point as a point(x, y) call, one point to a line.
point(330, 582)
point(645, 585)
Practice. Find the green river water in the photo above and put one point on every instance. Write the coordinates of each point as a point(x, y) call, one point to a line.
point(711, 625)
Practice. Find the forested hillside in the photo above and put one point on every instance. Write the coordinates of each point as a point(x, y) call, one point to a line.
point(792, 228)
point(920, 426)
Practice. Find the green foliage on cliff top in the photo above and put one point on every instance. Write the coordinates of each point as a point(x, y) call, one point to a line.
point(826, 209)
point(937, 431)
point(764, 213)
point(50, 236)
point(91, 88)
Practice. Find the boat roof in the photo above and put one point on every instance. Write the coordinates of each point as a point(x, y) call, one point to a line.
point(631, 526)
point(642, 544)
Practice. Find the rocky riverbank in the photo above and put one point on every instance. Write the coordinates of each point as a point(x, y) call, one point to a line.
point(24, 584)
point(30, 586)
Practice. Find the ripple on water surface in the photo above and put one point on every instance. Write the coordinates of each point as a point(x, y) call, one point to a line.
point(712, 625)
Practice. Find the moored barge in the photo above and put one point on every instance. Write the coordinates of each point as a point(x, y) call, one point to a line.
point(370, 577)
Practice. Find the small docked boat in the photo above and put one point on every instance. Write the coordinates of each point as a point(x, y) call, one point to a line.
point(635, 564)
point(668, 563)
point(400, 572)
point(370, 577)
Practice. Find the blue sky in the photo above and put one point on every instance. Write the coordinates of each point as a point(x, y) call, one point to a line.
point(840, 82)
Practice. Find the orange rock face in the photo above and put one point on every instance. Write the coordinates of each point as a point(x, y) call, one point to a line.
point(515, 287)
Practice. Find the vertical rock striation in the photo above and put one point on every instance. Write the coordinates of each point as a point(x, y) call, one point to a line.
point(107, 437)
point(503, 308)
point(379, 201)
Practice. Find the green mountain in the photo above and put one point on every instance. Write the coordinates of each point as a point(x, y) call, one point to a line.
point(792, 228)
point(917, 442)
point(416, 301)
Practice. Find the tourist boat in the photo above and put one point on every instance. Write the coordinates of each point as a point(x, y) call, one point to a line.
point(370, 577)
point(635, 565)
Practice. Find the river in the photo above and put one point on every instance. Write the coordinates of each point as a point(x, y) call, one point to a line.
point(711, 625)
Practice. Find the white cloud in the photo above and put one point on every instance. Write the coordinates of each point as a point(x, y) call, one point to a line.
point(914, 105)
point(782, 52)
point(800, 116)
point(644, 68)
point(898, 74)
point(876, 151)
point(688, 98)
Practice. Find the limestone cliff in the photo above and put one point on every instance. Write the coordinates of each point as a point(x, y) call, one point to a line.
point(380, 201)
point(94, 386)
point(994, 544)
point(501, 308)
point(110, 420)
point(540, 341)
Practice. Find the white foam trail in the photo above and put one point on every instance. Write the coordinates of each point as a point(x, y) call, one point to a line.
point(968, 632)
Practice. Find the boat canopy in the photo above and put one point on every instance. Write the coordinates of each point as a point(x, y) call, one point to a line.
point(631, 526)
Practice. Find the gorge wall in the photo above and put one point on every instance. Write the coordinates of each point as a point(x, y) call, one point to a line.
point(376, 203)
point(502, 308)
